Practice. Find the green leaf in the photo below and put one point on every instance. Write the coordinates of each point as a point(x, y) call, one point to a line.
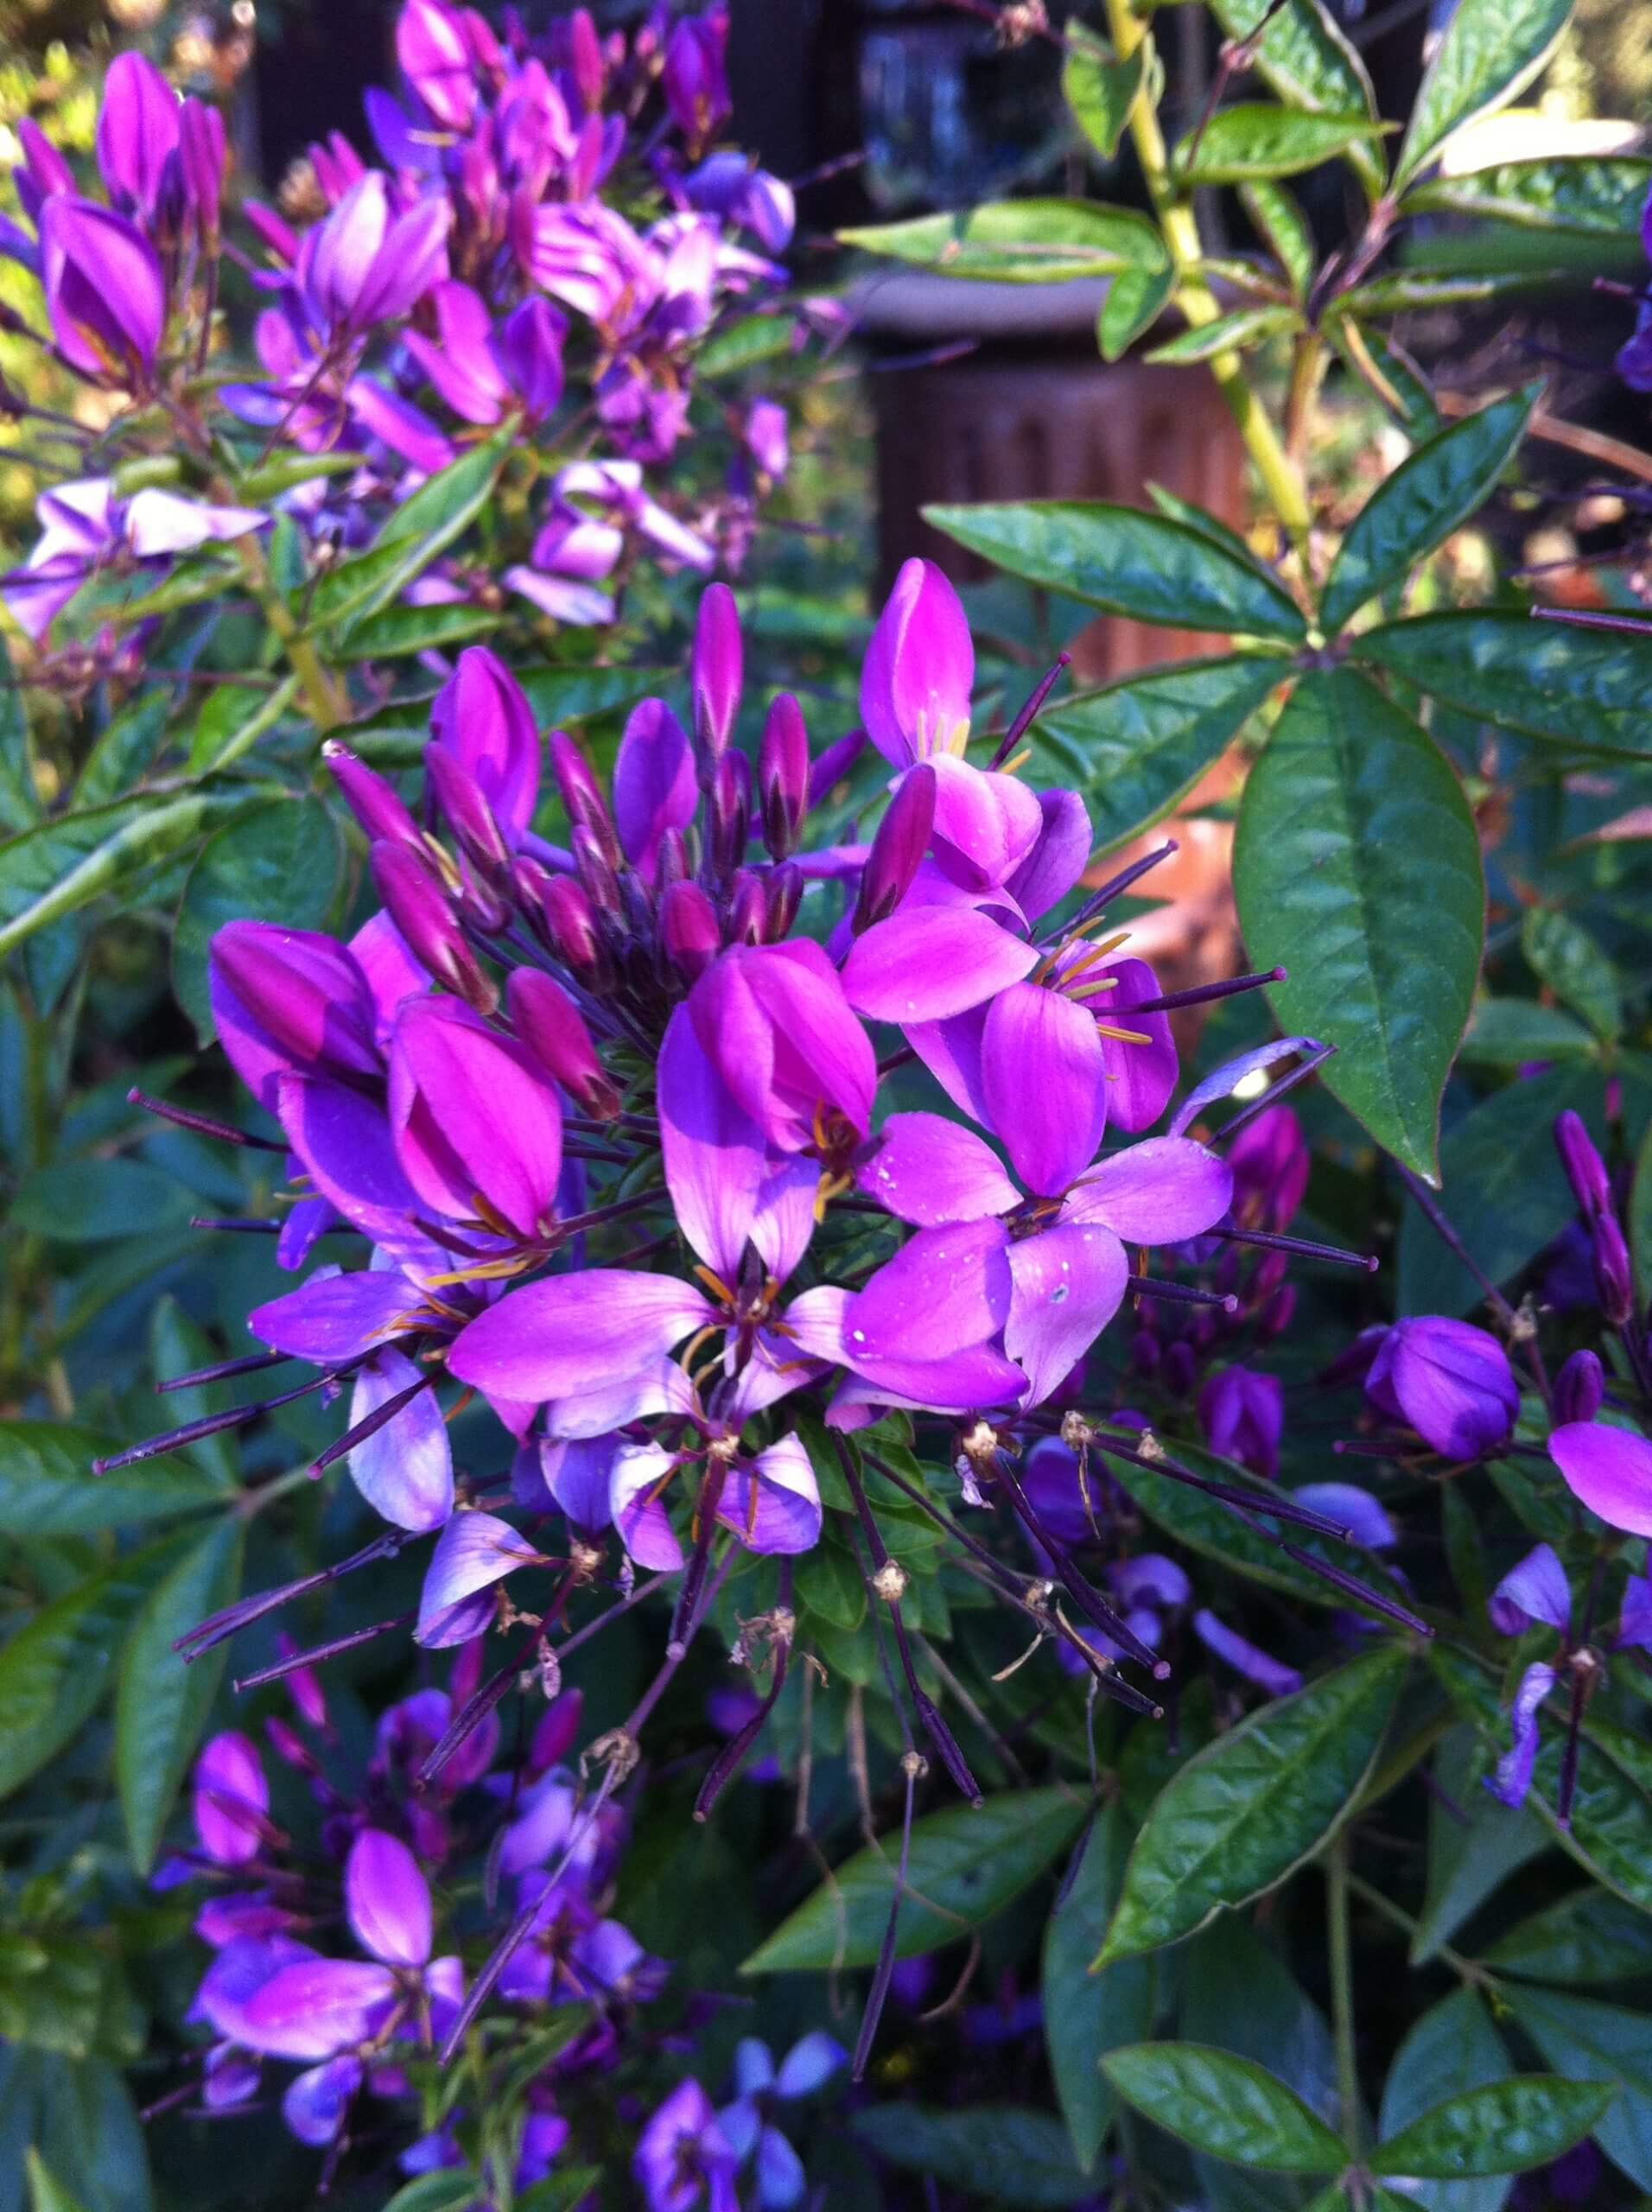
point(1020, 241)
point(1226, 2106)
point(45, 2193)
point(1127, 562)
point(232, 719)
point(1504, 1031)
point(62, 864)
point(396, 632)
point(1283, 229)
point(48, 1490)
point(966, 1862)
point(125, 750)
point(79, 2117)
point(1590, 2042)
point(1503, 2128)
point(420, 529)
point(1256, 139)
point(1005, 2153)
point(1589, 197)
point(1505, 1190)
point(1229, 333)
point(1561, 953)
point(560, 2191)
point(1135, 300)
point(1451, 2048)
point(1474, 1844)
point(1087, 2014)
point(829, 1583)
point(1350, 809)
point(55, 1671)
point(1250, 1806)
point(442, 2191)
point(1589, 691)
point(1490, 51)
point(179, 1346)
point(1588, 1936)
point(283, 863)
point(1136, 747)
point(20, 807)
point(1100, 89)
point(1431, 493)
point(754, 339)
point(1413, 290)
point(285, 472)
point(161, 1704)
point(91, 1201)
point(1304, 56)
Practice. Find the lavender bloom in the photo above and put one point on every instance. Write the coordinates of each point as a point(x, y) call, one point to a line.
point(1244, 1657)
point(747, 2126)
point(232, 1799)
point(1449, 1381)
point(682, 2155)
point(106, 292)
point(1580, 1388)
point(85, 526)
point(1609, 1470)
point(1242, 1415)
point(483, 371)
point(138, 136)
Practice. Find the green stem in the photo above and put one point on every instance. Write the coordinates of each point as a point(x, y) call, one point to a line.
point(1469, 1970)
point(1179, 229)
point(1341, 1961)
point(323, 693)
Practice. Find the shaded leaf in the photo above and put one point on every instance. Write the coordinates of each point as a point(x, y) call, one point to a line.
point(47, 1488)
point(1561, 953)
point(93, 1201)
point(1254, 1803)
point(1385, 368)
point(1283, 229)
point(967, 1862)
point(20, 807)
point(1136, 747)
point(1503, 2128)
point(1126, 562)
point(1503, 1032)
point(284, 862)
point(1588, 1936)
point(1590, 690)
point(1229, 2107)
point(1228, 334)
point(1474, 1843)
point(422, 527)
point(1005, 2153)
point(1100, 89)
point(1589, 2042)
point(1452, 2047)
point(396, 632)
point(1489, 51)
point(232, 719)
point(1135, 300)
point(79, 2118)
point(1304, 56)
point(1434, 491)
point(125, 750)
point(1020, 241)
point(1086, 2014)
point(1350, 806)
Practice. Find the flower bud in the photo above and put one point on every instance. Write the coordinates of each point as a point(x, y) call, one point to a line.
point(570, 927)
point(1276, 1316)
point(463, 806)
point(729, 810)
point(582, 795)
point(1579, 1388)
point(785, 897)
point(201, 149)
point(673, 864)
point(783, 775)
point(373, 801)
point(1584, 1168)
point(1614, 1276)
point(549, 1024)
point(1451, 1382)
point(1242, 1415)
point(689, 929)
point(716, 674)
point(901, 841)
point(421, 909)
point(595, 870)
point(748, 909)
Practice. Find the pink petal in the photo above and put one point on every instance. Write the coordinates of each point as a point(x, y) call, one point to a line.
point(928, 964)
point(926, 1171)
point(1069, 1281)
point(1045, 1084)
point(714, 1151)
point(945, 1289)
point(1610, 1470)
point(1161, 1191)
point(318, 2007)
point(557, 1337)
point(387, 1900)
point(404, 1469)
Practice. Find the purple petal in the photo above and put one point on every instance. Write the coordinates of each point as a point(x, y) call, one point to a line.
point(637, 1506)
point(1535, 1589)
point(105, 291)
point(919, 669)
point(774, 1020)
point(473, 1118)
point(475, 1551)
point(781, 2180)
point(314, 2103)
point(138, 129)
point(1452, 1381)
point(578, 1474)
point(961, 1383)
point(809, 2064)
point(1634, 1621)
point(1141, 1078)
point(951, 1053)
point(1046, 1084)
point(317, 2008)
point(773, 1504)
point(985, 826)
point(1358, 1512)
point(404, 1469)
point(231, 1797)
point(1068, 1285)
point(333, 1317)
point(1056, 860)
point(926, 1171)
point(1161, 1191)
point(614, 1401)
point(713, 1150)
point(387, 1900)
point(483, 715)
point(241, 1969)
point(1610, 1470)
point(1150, 1579)
point(1245, 1658)
point(928, 964)
point(654, 787)
point(945, 1289)
point(554, 1338)
point(1513, 1776)
point(1220, 1084)
point(784, 1221)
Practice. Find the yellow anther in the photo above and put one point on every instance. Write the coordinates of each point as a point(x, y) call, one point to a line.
point(1123, 1036)
point(715, 1284)
point(1017, 760)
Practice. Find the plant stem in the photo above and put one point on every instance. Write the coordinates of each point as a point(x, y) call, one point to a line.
point(322, 692)
point(1468, 1971)
point(1179, 229)
point(1341, 1962)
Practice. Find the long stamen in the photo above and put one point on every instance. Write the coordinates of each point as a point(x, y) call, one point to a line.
point(1023, 721)
point(204, 1125)
point(319, 1652)
point(1181, 1293)
point(210, 1424)
point(251, 1365)
point(369, 1425)
point(1201, 993)
point(1305, 1246)
point(1274, 1093)
point(241, 1615)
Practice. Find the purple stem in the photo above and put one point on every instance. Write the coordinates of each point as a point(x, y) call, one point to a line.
point(321, 1651)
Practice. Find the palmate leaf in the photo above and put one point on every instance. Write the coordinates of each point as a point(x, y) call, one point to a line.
point(1348, 812)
